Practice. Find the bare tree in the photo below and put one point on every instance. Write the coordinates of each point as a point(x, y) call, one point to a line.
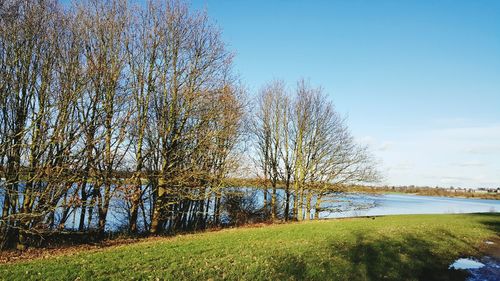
point(143, 52)
point(135, 111)
point(302, 141)
point(269, 128)
point(38, 116)
point(327, 156)
point(194, 62)
point(105, 24)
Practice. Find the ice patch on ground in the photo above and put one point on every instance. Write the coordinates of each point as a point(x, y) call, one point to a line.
point(486, 269)
point(466, 264)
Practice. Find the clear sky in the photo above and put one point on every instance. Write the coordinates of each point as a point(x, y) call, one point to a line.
point(419, 80)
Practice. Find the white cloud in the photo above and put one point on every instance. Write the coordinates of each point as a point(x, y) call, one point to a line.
point(403, 165)
point(465, 156)
point(386, 145)
point(366, 140)
point(470, 164)
point(483, 149)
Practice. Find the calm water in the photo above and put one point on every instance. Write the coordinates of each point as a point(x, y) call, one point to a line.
point(341, 205)
point(352, 205)
point(396, 204)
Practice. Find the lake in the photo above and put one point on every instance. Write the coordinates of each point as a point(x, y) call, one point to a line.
point(337, 206)
point(398, 204)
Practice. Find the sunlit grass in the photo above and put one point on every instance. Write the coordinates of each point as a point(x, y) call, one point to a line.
point(408, 247)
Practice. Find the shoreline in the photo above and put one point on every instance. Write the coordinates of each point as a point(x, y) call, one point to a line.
point(12, 257)
point(420, 194)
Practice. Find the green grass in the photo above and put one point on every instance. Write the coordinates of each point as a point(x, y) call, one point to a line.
point(407, 247)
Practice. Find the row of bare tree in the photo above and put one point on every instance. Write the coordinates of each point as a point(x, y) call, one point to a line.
point(101, 88)
point(108, 105)
point(303, 146)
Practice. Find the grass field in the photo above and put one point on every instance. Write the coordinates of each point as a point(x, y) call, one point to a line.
point(407, 247)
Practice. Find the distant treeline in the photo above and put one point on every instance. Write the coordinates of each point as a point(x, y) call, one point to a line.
point(492, 193)
point(107, 106)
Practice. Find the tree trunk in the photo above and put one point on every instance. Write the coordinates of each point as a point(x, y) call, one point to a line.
point(81, 224)
point(158, 207)
point(218, 210)
point(287, 203)
point(273, 204)
point(317, 207)
point(296, 202)
point(265, 202)
point(300, 206)
point(308, 205)
point(136, 198)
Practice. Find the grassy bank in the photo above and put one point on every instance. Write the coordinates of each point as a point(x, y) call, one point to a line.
point(392, 248)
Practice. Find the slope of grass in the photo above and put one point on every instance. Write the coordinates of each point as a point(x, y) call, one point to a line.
point(407, 247)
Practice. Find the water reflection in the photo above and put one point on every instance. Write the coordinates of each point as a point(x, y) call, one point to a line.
point(335, 205)
point(344, 205)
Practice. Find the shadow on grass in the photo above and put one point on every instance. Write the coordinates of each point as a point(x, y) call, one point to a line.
point(490, 220)
point(368, 257)
point(409, 258)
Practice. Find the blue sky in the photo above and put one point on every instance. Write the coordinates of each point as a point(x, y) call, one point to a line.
point(418, 80)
